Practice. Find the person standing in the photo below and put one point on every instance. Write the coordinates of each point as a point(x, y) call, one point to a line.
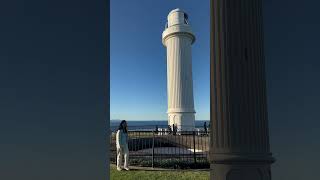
point(122, 145)
point(205, 128)
point(157, 129)
point(173, 129)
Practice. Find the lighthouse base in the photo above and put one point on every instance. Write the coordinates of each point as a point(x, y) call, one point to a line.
point(184, 121)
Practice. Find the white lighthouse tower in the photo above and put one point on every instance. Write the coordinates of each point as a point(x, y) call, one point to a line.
point(178, 38)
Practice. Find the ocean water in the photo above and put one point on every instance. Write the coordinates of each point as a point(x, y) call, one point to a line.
point(149, 125)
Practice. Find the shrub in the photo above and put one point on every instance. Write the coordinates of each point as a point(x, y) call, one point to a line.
point(171, 163)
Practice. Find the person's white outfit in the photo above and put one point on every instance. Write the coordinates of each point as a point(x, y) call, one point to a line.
point(122, 149)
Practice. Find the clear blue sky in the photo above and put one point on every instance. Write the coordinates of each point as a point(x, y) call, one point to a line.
point(138, 58)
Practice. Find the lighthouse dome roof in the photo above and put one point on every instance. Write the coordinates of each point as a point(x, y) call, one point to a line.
point(176, 10)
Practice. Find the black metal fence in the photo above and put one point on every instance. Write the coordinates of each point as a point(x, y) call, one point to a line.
point(185, 149)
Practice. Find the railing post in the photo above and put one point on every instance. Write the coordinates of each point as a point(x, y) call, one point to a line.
point(152, 149)
point(194, 147)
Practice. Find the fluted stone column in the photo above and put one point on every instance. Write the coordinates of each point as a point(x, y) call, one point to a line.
point(239, 139)
point(177, 38)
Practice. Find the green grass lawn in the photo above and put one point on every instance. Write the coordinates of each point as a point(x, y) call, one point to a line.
point(161, 175)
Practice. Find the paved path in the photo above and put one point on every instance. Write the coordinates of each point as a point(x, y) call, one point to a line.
point(170, 150)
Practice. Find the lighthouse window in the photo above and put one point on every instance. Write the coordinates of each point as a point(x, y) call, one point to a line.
point(185, 18)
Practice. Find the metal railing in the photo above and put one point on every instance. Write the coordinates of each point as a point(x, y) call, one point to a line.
point(157, 148)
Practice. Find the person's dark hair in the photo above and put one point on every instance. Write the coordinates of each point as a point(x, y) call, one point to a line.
point(121, 126)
